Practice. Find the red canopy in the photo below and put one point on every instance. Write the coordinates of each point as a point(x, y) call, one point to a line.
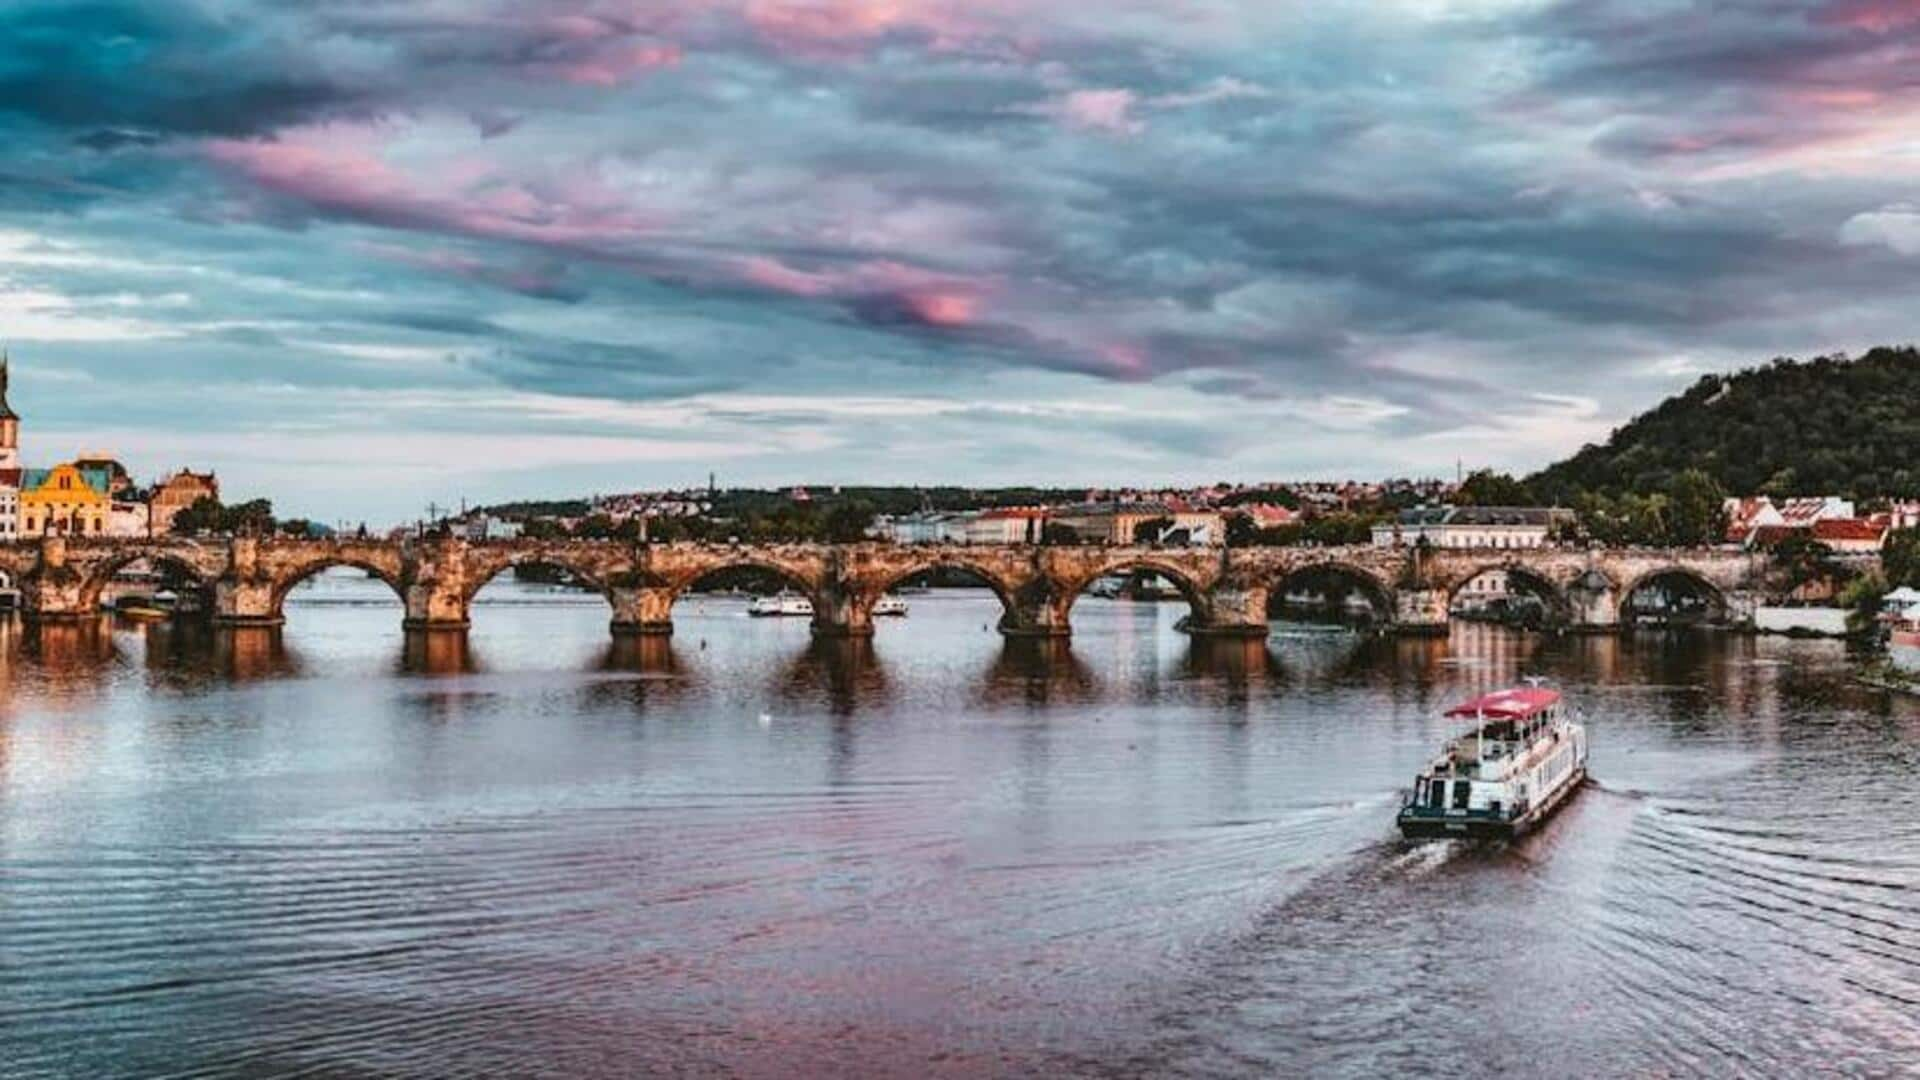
point(1515, 704)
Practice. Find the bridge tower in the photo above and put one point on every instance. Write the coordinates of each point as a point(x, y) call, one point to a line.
point(9, 423)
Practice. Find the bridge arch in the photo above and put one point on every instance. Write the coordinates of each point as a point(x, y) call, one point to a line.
point(1559, 607)
point(289, 577)
point(601, 574)
point(1003, 590)
point(189, 564)
point(800, 581)
point(1378, 594)
point(1195, 592)
point(1714, 604)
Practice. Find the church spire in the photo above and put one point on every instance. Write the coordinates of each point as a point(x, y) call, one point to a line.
point(6, 410)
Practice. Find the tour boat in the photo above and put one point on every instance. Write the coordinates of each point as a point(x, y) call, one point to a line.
point(1522, 758)
point(780, 604)
point(890, 605)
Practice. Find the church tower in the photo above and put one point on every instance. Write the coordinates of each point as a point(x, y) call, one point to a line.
point(9, 423)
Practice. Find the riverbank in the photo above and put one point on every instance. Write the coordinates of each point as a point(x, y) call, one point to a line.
point(1883, 675)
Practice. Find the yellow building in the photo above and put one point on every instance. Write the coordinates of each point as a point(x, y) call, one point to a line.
point(60, 502)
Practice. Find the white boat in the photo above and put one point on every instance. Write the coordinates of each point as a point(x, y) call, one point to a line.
point(780, 604)
point(889, 605)
point(1520, 761)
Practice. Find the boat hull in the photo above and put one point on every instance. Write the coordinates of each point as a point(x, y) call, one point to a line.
point(1415, 826)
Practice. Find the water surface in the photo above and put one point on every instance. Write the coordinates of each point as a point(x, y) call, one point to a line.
point(535, 851)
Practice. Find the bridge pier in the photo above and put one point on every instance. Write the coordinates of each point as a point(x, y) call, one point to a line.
point(1743, 608)
point(438, 594)
point(244, 595)
point(433, 607)
point(1420, 611)
point(1593, 604)
point(644, 611)
point(1231, 612)
point(56, 591)
point(246, 603)
point(1037, 610)
point(842, 613)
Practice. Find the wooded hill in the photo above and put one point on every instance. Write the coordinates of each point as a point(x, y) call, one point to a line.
point(1831, 425)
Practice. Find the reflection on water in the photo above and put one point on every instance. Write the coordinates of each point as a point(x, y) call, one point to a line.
point(345, 849)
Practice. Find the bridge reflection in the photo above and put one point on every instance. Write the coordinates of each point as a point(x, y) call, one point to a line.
point(784, 672)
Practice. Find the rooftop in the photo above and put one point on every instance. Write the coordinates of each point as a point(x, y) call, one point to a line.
point(1516, 703)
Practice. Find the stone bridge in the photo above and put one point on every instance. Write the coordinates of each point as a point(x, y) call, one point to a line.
point(1227, 589)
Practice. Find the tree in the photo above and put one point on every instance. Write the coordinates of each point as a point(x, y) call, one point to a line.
point(1696, 509)
point(1241, 531)
point(202, 517)
point(1484, 487)
point(1900, 557)
point(207, 515)
point(251, 518)
point(848, 522)
point(543, 529)
point(1826, 426)
point(1054, 534)
point(1801, 559)
point(1863, 599)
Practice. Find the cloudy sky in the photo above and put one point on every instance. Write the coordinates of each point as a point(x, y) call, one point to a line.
point(361, 254)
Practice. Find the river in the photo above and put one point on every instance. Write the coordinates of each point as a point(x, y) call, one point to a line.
point(335, 851)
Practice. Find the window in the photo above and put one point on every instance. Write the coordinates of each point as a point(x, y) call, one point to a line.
point(1436, 793)
point(1462, 792)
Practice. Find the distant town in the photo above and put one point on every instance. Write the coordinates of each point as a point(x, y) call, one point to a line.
point(1833, 550)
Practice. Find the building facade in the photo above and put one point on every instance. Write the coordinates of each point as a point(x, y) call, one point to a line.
point(176, 493)
point(1115, 522)
point(1473, 527)
point(1021, 525)
point(10, 471)
point(60, 502)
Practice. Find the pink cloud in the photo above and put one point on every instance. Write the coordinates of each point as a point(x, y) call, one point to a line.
point(1877, 16)
point(1101, 110)
point(1130, 361)
point(613, 66)
point(1106, 111)
point(836, 29)
point(347, 169)
point(943, 308)
point(929, 297)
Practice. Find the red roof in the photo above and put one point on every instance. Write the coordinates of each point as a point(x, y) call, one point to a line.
point(1847, 529)
point(1514, 704)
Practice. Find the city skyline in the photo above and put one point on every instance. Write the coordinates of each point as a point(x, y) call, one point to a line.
point(605, 247)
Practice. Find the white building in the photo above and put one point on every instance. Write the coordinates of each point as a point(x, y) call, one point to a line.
point(926, 527)
point(1472, 527)
point(1748, 516)
point(1005, 526)
point(1484, 591)
point(128, 520)
point(479, 528)
point(10, 471)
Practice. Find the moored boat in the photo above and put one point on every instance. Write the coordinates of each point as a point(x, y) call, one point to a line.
point(1522, 758)
point(889, 605)
point(780, 604)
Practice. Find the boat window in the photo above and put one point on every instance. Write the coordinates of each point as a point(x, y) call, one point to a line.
point(1436, 793)
point(1462, 791)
